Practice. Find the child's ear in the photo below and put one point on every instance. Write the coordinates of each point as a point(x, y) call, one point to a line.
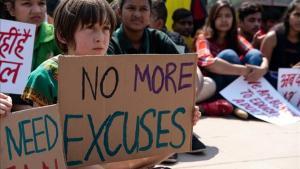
point(10, 8)
point(61, 39)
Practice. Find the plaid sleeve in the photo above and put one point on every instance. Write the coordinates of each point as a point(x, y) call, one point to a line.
point(244, 45)
point(205, 58)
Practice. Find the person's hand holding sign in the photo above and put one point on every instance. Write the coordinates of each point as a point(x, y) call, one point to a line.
point(5, 104)
point(196, 115)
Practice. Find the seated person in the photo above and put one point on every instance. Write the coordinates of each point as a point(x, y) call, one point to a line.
point(250, 14)
point(44, 44)
point(224, 55)
point(282, 45)
point(159, 14)
point(77, 33)
point(183, 23)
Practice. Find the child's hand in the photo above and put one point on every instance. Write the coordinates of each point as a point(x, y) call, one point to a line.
point(5, 104)
point(196, 115)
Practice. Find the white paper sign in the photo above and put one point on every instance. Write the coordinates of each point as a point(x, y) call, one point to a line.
point(16, 50)
point(261, 100)
point(289, 85)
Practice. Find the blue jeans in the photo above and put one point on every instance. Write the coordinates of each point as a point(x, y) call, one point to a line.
point(253, 57)
point(272, 78)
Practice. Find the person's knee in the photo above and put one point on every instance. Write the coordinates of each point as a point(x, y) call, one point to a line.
point(254, 53)
point(199, 80)
point(208, 90)
point(253, 57)
point(230, 56)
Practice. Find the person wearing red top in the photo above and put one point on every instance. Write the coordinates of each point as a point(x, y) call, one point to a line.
point(222, 53)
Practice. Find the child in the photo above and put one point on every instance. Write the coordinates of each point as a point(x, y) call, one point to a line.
point(282, 45)
point(83, 27)
point(34, 11)
point(223, 54)
point(183, 23)
point(5, 104)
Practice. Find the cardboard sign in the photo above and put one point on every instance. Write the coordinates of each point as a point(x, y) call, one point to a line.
point(289, 85)
point(261, 100)
point(31, 139)
point(16, 50)
point(118, 108)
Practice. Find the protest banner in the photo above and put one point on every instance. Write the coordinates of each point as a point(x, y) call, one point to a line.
point(32, 139)
point(261, 100)
point(125, 107)
point(16, 50)
point(289, 85)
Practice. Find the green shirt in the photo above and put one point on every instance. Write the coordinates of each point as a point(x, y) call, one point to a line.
point(41, 86)
point(153, 42)
point(44, 45)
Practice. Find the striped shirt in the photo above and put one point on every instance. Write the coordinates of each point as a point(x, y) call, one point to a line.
point(207, 50)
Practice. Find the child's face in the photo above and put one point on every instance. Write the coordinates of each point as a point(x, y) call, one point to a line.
point(184, 26)
point(224, 19)
point(91, 40)
point(29, 11)
point(135, 14)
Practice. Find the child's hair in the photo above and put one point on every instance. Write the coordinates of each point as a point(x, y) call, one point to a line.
point(72, 14)
point(210, 31)
point(248, 8)
point(122, 2)
point(181, 13)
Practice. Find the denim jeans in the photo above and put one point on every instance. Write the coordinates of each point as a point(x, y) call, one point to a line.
point(272, 78)
point(253, 57)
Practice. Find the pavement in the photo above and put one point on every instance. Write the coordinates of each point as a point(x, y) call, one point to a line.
point(238, 144)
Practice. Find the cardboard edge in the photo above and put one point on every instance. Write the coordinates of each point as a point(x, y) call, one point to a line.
point(194, 97)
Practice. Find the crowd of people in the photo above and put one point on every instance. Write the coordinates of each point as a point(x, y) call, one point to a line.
point(231, 43)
